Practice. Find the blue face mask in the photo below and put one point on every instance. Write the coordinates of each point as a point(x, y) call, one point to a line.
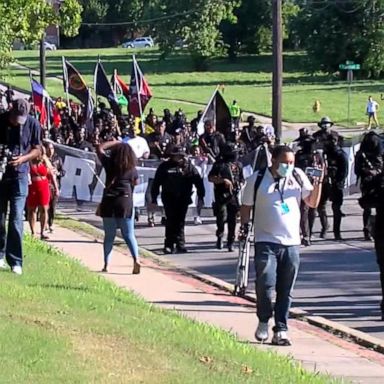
point(285, 170)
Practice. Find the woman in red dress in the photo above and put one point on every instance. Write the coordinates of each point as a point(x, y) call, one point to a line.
point(39, 192)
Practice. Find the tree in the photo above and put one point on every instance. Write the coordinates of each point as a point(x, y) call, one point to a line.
point(198, 27)
point(27, 20)
point(334, 32)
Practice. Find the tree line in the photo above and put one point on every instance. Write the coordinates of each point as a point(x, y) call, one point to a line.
point(330, 31)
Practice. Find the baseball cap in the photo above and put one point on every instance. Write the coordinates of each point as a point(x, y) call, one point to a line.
point(20, 109)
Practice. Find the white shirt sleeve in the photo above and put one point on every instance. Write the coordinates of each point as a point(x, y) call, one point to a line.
point(307, 187)
point(249, 190)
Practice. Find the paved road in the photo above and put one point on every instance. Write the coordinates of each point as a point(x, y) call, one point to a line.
point(337, 280)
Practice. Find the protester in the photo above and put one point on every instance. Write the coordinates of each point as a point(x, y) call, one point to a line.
point(211, 141)
point(307, 158)
point(58, 172)
point(20, 134)
point(176, 178)
point(227, 177)
point(159, 141)
point(138, 144)
point(42, 175)
point(276, 206)
point(368, 164)
point(336, 172)
point(116, 207)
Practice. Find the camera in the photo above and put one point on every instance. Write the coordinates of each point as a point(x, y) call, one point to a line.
point(5, 156)
point(313, 172)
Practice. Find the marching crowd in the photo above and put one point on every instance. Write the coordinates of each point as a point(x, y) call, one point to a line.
point(293, 186)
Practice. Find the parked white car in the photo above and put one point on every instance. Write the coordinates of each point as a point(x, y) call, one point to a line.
point(49, 46)
point(139, 42)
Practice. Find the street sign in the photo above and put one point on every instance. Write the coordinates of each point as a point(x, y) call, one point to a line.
point(349, 67)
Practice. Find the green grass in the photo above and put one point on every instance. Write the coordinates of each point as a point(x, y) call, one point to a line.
point(248, 80)
point(61, 323)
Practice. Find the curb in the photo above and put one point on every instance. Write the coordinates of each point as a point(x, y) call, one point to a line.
point(342, 331)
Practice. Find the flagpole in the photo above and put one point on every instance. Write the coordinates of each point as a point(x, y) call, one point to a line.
point(138, 93)
point(114, 81)
point(30, 79)
point(65, 75)
point(95, 80)
point(206, 108)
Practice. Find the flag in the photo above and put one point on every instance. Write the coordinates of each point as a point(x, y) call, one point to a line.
point(218, 112)
point(104, 88)
point(119, 85)
point(89, 109)
point(139, 91)
point(74, 82)
point(41, 101)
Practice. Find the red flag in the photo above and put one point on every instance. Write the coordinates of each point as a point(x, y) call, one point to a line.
point(138, 88)
point(121, 86)
point(40, 99)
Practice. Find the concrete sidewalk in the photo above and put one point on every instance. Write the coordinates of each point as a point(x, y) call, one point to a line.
point(165, 287)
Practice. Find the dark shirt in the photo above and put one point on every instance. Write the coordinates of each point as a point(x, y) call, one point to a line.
point(117, 198)
point(176, 183)
point(232, 171)
point(159, 144)
point(212, 143)
point(336, 167)
point(20, 141)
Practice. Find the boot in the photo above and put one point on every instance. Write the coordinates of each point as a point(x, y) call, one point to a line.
point(367, 235)
point(230, 246)
point(219, 243)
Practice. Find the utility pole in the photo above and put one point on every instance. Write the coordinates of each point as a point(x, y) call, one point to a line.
point(42, 61)
point(277, 76)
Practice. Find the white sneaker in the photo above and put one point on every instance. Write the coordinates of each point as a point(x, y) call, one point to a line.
point(261, 333)
point(197, 220)
point(281, 338)
point(3, 264)
point(17, 270)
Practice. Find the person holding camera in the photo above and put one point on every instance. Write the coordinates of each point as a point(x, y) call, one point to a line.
point(227, 176)
point(20, 142)
point(276, 207)
point(176, 177)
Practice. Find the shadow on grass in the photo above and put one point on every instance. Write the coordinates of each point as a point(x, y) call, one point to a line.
point(60, 287)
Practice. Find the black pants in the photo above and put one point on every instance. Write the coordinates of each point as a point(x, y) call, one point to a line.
point(52, 208)
point(226, 213)
point(379, 247)
point(174, 226)
point(307, 219)
point(335, 195)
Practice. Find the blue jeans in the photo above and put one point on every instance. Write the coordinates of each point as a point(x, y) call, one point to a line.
point(12, 192)
point(127, 228)
point(276, 268)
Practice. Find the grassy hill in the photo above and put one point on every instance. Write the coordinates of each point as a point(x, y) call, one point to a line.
point(248, 80)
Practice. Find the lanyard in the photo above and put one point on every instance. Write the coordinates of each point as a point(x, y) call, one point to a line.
point(281, 192)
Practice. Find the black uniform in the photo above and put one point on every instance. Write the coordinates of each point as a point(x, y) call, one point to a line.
point(336, 172)
point(176, 180)
point(250, 137)
point(304, 158)
point(226, 205)
point(368, 164)
point(159, 144)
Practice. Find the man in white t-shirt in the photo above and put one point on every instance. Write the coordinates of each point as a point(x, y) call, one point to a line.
point(138, 144)
point(372, 108)
point(277, 236)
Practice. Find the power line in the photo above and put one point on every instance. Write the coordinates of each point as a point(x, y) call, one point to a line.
point(147, 21)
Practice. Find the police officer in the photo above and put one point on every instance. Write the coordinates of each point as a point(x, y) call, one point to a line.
point(227, 176)
point(20, 136)
point(336, 171)
point(176, 177)
point(307, 157)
